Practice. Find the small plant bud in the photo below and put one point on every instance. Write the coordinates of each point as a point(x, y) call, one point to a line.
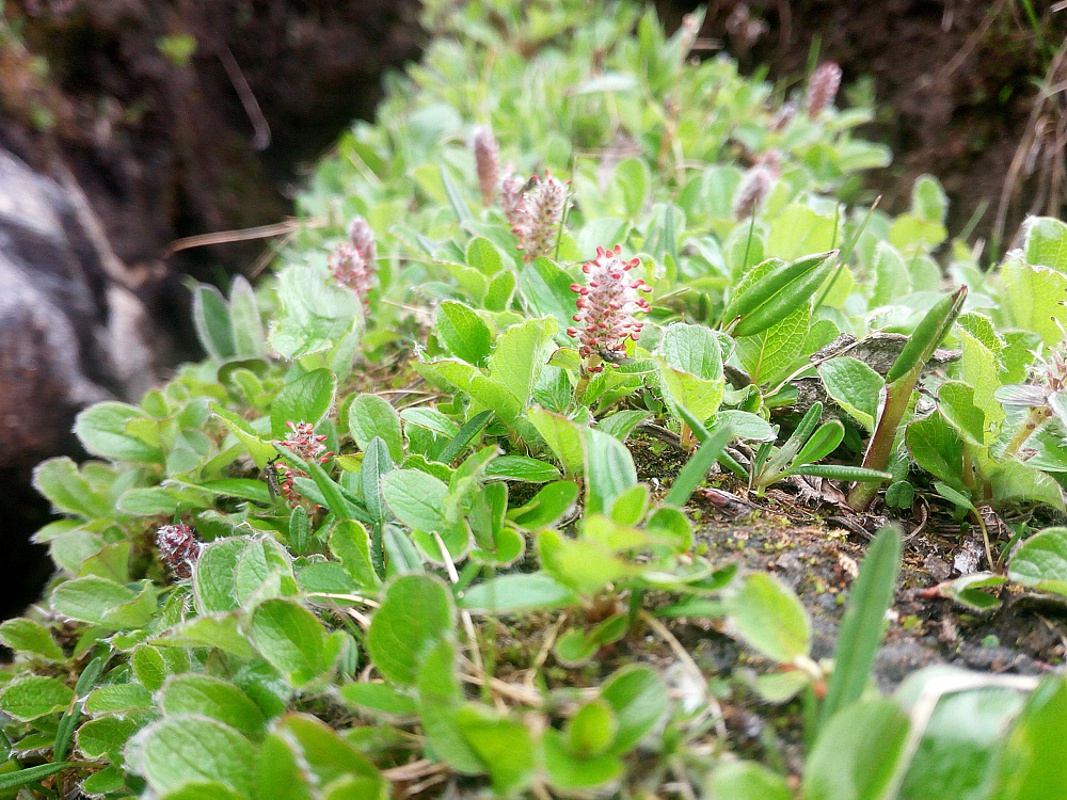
point(688, 34)
point(539, 215)
point(303, 441)
point(756, 184)
point(743, 29)
point(783, 117)
point(487, 162)
point(511, 193)
point(822, 88)
point(178, 549)
point(607, 306)
point(362, 237)
point(352, 270)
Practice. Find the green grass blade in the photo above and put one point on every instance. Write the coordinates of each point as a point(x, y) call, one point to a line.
point(455, 198)
point(24, 777)
point(863, 623)
point(466, 435)
point(698, 466)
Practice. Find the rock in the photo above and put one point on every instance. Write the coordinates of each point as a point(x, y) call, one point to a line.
point(153, 120)
point(71, 334)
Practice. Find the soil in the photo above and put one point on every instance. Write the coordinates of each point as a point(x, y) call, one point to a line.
point(959, 86)
point(179, 118)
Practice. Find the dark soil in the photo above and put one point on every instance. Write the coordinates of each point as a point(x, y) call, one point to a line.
point(956, 82)
point(167, 142)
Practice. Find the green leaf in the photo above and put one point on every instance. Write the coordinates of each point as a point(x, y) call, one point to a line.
point(1015, 482)
point(863, 623)
point(520, 354)
point(1040, 562)
point(150, 667)
point(263, 570)
point(928, 199)
point(609, 470)
point(455, 197)
point(463, 332)
point(1046, 243)
point(700, 397)
point(563, 436)
point(956, 403)
point(892, 280)
point(969, 591)
point(937, 448)
point(35, 696)
point(211, 319)
point(350, 543)
point(416, 498)
point(118, 698)
point(315, 316)
point(369, 416)
point(201, 790)
point(327, 756)
point(306, 399)
point(591, 730)
point(477, 384)
point(517, 594)
point(981, 371)
point(504, 746)
point(215, 575)
point(546, 291)
point(1032, 761)
point(416, 612)
point(59, 480)
point(854, 386)
point(822, 443)
point(440, 698)
point(107, 737)
point(638, 696)
point(379, 697)
point(431, 419)
point(221, 631)
point(26, 635)
point(212, 697)
point(691, 348)
point(246, 325)
point(181, 749)
point(521, 468)
point(106, 603)
point(104, 430)
point(747, 780)
point(961, 745)
point(569, 772)
point(769, 355)
point(780, 291)
point(857, 753)
point(770, 618)
point(281, 770)
point(549, 505)
point(1034, 298)
point(293, 640)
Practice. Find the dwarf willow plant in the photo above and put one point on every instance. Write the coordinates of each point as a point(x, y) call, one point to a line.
point(388, 536)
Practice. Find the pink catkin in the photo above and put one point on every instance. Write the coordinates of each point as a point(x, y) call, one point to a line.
point(179, 549)
point(354, 263)
point(537, 216)
point(487, 163)
point(304, 442)
point(822, 88)
point(361, 235)
point(607, 305)
point(756, 184)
